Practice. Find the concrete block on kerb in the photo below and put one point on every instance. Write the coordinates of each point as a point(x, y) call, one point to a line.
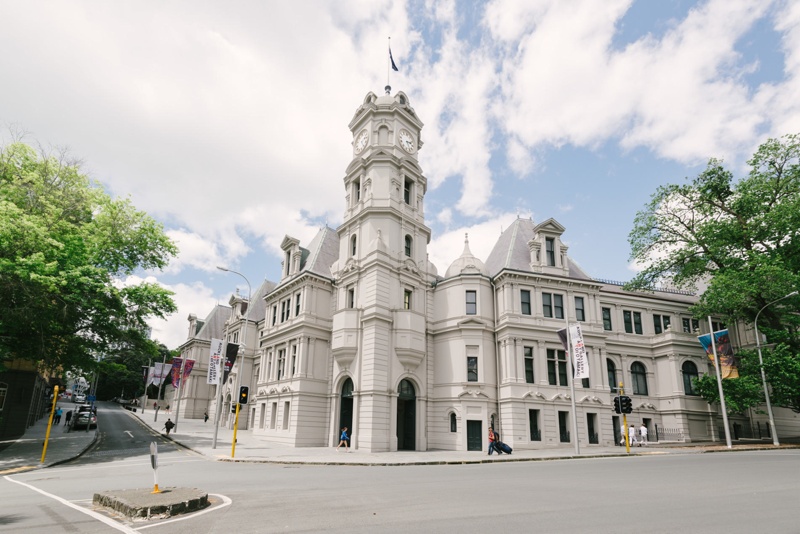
point(142, 504)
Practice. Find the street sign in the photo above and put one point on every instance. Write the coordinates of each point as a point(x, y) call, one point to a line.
point(91, 398)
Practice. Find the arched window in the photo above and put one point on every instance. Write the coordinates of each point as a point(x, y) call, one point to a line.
point(611, 369)
point(347, 388)
point(406, 390)
point(353, 246)
point(453, 424)
point(639, 378)
point(408, 245)
point(689, 370)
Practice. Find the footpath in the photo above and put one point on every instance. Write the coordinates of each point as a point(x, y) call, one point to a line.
point(25, 453)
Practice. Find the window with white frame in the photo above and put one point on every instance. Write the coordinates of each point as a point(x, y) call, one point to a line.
point(528, 354)
point(633, 322)
point(660, 323)
point(550, 250)
point(607, 319)
point(525, 301)
point(580, 314)
point(557, 367)
point(406, 299)
point(639, 378)
point(472, 302)
point(553, 305)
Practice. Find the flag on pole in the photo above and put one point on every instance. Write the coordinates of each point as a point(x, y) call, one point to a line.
point(391, 59)
point(231, 350)
point(176, 370)
point(727, 360)
point(215, 361)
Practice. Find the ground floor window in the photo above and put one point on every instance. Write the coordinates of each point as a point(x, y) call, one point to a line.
point(533, 423)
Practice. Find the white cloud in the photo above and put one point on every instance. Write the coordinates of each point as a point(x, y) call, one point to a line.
point(190, 298)
point(445, 247)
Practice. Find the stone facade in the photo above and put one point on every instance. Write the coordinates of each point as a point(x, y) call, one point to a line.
point(361, 330)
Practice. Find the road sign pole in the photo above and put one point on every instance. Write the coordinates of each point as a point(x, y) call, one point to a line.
point(154, 463)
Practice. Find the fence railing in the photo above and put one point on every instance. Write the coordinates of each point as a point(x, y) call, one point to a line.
point(669, 434)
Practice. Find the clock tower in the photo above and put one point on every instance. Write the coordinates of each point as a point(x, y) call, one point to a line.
point(379, 340)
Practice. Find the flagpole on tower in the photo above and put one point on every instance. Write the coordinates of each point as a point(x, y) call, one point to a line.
point(391, 66)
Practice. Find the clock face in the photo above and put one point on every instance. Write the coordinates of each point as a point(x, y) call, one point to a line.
point(406, 141)
point(361, 141)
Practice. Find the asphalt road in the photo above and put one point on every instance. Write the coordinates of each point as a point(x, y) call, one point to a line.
point(739, 492)
point(121, 436)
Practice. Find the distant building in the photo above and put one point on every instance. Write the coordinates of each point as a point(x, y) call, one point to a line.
point(362, 331)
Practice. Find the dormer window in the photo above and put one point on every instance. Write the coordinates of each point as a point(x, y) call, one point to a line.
point(550, 251)
point(287, 262)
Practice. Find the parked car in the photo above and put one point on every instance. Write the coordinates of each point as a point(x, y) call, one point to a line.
point(79, 398)
point(84, 419)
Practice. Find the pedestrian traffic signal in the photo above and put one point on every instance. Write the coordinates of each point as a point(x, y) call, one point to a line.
point(244, 392)
point(617, 408)
point(626, 405)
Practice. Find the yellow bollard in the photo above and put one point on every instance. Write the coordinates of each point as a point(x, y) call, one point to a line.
point(50, 422)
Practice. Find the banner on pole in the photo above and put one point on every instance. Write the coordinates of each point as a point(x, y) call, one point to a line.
point(728, 367)
point(231, 350)
point(580, 360)
point(176, 370)
point(215, 361)
point(159, 372)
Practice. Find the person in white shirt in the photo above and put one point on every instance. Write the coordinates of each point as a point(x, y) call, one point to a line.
point(643, 434)
point(632, 436)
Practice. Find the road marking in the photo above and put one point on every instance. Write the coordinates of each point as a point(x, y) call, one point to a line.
point(108, 521)
point(226, 501)
point(129, 433)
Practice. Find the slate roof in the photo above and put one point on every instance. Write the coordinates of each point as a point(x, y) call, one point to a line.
point(511, 251)
point(323, 250)
point(214, 323)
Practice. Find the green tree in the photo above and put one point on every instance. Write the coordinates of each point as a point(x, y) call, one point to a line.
point(64, 247)
point(741, 238)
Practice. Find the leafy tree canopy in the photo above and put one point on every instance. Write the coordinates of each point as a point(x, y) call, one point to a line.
point(64, 246)
point(742, 239)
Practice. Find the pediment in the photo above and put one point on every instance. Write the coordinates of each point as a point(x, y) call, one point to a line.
point(289, 242)
point(550, 226)
point(472, 323)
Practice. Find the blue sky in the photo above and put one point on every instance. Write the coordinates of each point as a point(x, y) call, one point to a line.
point(228, 122)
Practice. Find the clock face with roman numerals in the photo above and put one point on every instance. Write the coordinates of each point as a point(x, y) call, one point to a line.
point(361, 141)
point(406, 141)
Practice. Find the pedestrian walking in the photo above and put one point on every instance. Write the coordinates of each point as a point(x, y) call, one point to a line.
point(343, 440)
point(155, 405)
point(632, 436)
point(67, 418)
point(205, 417)
point(57, 418)
point(492, 439)
point(167, 408)
point(643, 434)
point(169, 425)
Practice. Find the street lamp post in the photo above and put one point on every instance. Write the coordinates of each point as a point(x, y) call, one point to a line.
point(761, 366)
point(242, 345)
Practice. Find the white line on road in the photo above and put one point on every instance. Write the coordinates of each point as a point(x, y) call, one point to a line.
point(108, 521)
point(129, 433)
point(226, 501)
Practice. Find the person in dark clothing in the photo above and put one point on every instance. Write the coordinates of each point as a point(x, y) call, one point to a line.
point(67, 417)
point(169, 425)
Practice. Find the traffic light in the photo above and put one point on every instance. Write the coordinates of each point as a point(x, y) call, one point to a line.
point(626, 405)
point(617, 408)
point(244, 392)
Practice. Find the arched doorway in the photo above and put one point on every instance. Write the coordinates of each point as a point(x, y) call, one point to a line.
point(346, 408)
point(406, 416)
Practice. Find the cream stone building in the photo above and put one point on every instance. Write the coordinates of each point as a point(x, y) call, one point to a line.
point(362, 331)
